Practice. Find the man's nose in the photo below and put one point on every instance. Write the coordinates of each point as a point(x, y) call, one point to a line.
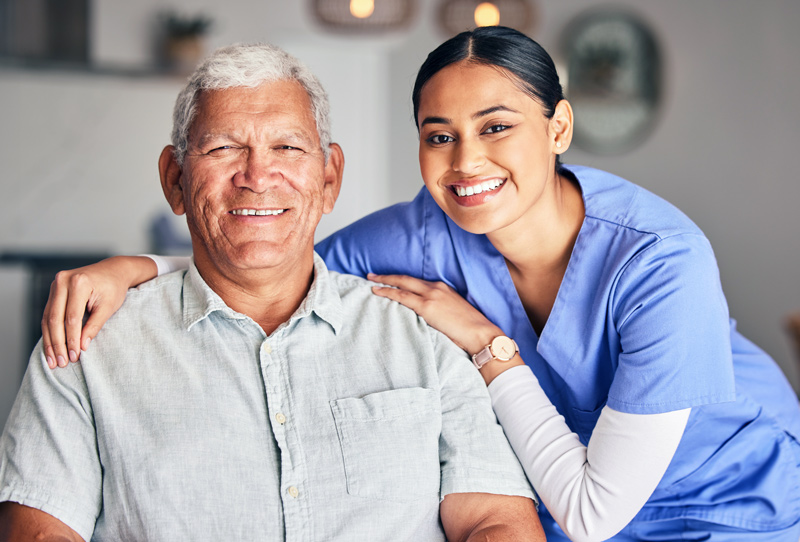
point(468, 157)
point(259, 170)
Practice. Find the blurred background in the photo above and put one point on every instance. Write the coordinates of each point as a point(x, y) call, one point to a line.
point(693, 99)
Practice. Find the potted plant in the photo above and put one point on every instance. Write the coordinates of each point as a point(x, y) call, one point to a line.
point(183, 43)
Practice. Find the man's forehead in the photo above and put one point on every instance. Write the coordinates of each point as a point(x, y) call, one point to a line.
point(283, 103)
point(280, 91)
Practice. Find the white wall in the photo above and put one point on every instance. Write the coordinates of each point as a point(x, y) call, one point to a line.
point(78, 151)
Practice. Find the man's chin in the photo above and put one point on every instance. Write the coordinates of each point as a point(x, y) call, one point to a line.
point(258, 256)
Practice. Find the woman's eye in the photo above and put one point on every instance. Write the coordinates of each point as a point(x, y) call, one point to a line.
point(439, 139)
point(495, 128)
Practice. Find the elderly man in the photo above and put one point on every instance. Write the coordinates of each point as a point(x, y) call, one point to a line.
point(258, 396)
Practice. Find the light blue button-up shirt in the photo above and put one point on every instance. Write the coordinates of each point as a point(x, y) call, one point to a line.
point(184, 421)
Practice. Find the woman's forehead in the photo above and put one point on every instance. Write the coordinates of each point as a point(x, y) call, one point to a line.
point(472, 85)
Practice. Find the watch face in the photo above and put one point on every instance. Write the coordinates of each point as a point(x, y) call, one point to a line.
point(503, 348)
point(613, 79)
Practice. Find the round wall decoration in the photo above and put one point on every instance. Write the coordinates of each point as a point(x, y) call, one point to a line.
point(613, 79)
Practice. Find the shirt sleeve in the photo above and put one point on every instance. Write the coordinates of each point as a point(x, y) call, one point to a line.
point(474, 453)
point(389, 241)
point(674, 330)
point(48, 452)
point(591, 491)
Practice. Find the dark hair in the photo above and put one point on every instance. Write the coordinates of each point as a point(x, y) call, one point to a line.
point(504, 48)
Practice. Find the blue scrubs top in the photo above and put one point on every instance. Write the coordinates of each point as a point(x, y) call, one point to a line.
point(640, 324)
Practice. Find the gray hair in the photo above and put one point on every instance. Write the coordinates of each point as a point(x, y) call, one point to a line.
point(247, 65)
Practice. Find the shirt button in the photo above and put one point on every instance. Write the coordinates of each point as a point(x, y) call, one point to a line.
point(280, 418)
point(267, 348)
point(293, 492)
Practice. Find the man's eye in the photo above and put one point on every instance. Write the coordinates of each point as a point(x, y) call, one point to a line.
point(495, 128)
point(220, 150)
point(289, 149)
point(440, 139)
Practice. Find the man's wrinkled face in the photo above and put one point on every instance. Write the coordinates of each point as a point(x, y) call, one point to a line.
point(254, 177)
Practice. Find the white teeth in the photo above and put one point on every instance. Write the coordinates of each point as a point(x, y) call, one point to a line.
point(477, 189)
point(257, 212)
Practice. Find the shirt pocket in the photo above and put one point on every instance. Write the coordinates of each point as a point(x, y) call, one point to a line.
point(390, 443)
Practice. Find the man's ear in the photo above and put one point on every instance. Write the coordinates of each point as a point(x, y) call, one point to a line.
point(334, 170)
point(170, 173)
point(561, 127)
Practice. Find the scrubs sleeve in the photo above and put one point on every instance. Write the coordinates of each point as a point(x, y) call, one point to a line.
point(389, 241)
point(672, 319)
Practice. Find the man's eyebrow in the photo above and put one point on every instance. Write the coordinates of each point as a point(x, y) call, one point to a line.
point(476, 116)
point(296, 136)
point(211, 136)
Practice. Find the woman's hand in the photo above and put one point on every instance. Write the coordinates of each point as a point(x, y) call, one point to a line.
point(442, 307)
point(99, 290)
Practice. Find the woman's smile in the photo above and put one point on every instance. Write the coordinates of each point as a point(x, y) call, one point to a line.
point(475, 193)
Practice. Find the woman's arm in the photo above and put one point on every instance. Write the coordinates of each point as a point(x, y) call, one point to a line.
point(99, 290)
point(591, 491)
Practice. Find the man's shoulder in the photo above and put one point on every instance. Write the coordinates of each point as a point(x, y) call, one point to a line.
point(357, 291)
point(161, 296)
point(373, 313)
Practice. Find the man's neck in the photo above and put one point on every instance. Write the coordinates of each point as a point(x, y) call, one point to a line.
point(268, 296)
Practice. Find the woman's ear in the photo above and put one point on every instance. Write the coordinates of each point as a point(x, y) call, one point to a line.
point(171, 173)
point(561, 127)
point(334, 170)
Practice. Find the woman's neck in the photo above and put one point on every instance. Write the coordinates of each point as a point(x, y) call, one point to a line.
point(537, 249)
point(541, 241)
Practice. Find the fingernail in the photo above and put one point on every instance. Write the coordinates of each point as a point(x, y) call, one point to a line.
point(73, 357)
point(61, 361)
point(88, 342)
point(51, 362)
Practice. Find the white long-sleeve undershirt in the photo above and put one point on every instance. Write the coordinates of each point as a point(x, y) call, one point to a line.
point(168, 264)
point(591, 491)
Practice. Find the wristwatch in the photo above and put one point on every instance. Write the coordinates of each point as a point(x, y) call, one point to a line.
point(501, 348)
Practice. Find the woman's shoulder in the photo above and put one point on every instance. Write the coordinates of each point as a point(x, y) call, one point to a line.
point(391, 240)
point(615, 200)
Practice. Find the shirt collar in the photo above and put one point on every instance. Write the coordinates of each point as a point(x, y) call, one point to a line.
point(199, 300)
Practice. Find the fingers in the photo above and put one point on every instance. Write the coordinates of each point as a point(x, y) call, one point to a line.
point(404, 297)
point(53, 324)
point(405, 282)
point(63, 318)
point(97, 317)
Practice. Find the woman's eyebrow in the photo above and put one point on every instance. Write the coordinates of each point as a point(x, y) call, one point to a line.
point(493, 109)
point(479, 114)
point(434, 120)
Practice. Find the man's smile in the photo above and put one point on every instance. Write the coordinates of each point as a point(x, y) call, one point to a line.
point(257, 212)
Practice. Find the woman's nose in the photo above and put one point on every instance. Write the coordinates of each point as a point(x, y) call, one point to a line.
point(469, 157)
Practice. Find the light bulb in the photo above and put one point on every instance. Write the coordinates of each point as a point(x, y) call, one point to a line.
point(487, 14)
point(361, 9)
